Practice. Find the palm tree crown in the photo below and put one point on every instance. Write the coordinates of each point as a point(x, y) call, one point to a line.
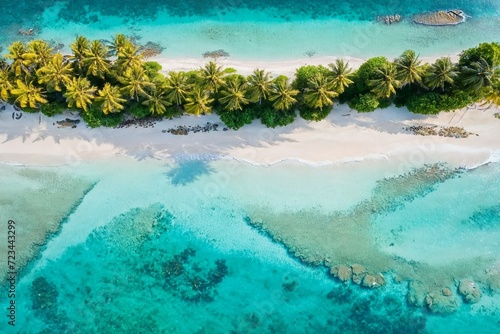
point(409, 68)
point(282, 95)
point(80, 93)
point(198, 102)
point(110, 98)
point(157, 101)
point(478, 75)
point(55, 73)
point(259, 85)
point(177, 87)
point(440, 73)
point(233, 94)
point(385, 82)
point(28, 94)
point(212, 76)
point(319, 92)
point(95, 59)
point(340, 75)
point(135, 81)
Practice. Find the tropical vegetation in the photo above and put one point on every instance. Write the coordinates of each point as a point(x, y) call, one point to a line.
point(107, 82)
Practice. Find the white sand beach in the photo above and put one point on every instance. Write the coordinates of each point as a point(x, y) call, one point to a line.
point(344, 135)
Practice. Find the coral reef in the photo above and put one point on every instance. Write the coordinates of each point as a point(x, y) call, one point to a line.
point(441, 302)
point(469, 291)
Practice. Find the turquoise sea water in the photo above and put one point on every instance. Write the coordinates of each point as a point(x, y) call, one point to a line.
point(257, 29)
point(159, 247)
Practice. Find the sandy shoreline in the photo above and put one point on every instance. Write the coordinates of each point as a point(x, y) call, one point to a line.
point(344, 135)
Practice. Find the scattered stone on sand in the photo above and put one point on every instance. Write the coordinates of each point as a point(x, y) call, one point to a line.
point(185, 130)
point(341, 272)
point(139, 123)
point(358, 273)
point(373, 281)
point(439, 303)
point(434, 130)
point(469, 291)
point(440, 18)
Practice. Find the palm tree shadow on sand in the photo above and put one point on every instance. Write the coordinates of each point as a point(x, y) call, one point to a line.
point(188, 171)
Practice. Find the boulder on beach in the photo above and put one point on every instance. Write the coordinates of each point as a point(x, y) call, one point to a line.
point(440, 18)
point(341, 272)
point(469, 291)
point(358, 273)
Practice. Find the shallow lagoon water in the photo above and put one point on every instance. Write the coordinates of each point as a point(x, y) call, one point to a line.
point(258, 30)
point(169, 250)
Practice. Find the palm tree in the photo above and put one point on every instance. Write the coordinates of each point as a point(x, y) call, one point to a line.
point(493, 97)
point(56, 73)
point(440, 73)
point(157, 101)
point(340, 75)
point(42, 50)
point(259, 85)
point(478, 74)
point(95, 59)
point(128, 57)
point(80, 48)
point(28, 94)
point(409, 68)
point(319, 92)
point(80, 93)
point(110, 98)
point(212, 77)
point(233, 94)
point(22, 59)
point(119, 42)
point(135, 81)
point(282, 95)
point(177, 87)
point(198, 102)
point(5, 84)
point(385, 82)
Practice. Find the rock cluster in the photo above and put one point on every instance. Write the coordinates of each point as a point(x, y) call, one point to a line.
point(434, 130)
point(389, 19)
point(184, 130)
point(138, 123)
point(440, 18)
point(469, 291)
point(358, 274)
point(441, 302)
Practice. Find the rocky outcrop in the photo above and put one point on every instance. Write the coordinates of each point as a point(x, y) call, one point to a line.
point(440, 18)
point(469, 291)
point(341, 272)
point(373, 281)
point(416, 293)
point(441, 302)
point(358, 273)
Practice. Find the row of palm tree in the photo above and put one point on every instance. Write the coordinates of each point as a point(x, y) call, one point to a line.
point(112, 76)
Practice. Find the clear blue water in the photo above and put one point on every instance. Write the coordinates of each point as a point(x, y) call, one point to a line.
point(170, 251)
point(256, 30)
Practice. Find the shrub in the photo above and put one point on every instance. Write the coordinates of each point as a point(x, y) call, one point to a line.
point(364, 103)
point(138, 110)
point(489, 51)
point(273, 118)
point(314, 114)
point(53, 108)
point(304, 73)
point(365, 73)
point(95, 118)
point(236, 119)
point(424, 104)
point(153, 71)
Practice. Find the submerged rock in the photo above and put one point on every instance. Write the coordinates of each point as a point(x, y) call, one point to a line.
point(438, 302)
point(416, 293)
point(341, 272)
point(373, 281)
point(358, 273)
point(469, 290)
point(440, 18)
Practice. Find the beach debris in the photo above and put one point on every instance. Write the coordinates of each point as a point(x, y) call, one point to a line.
point(469, 291)
point(434, 130)
point(341, 272)
point(68, 123)
point(438, 302)
point(27, 32)
point(216, 54)
point(185, 130)
point(151, 49)
point(440, 18)
point(389, 19)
